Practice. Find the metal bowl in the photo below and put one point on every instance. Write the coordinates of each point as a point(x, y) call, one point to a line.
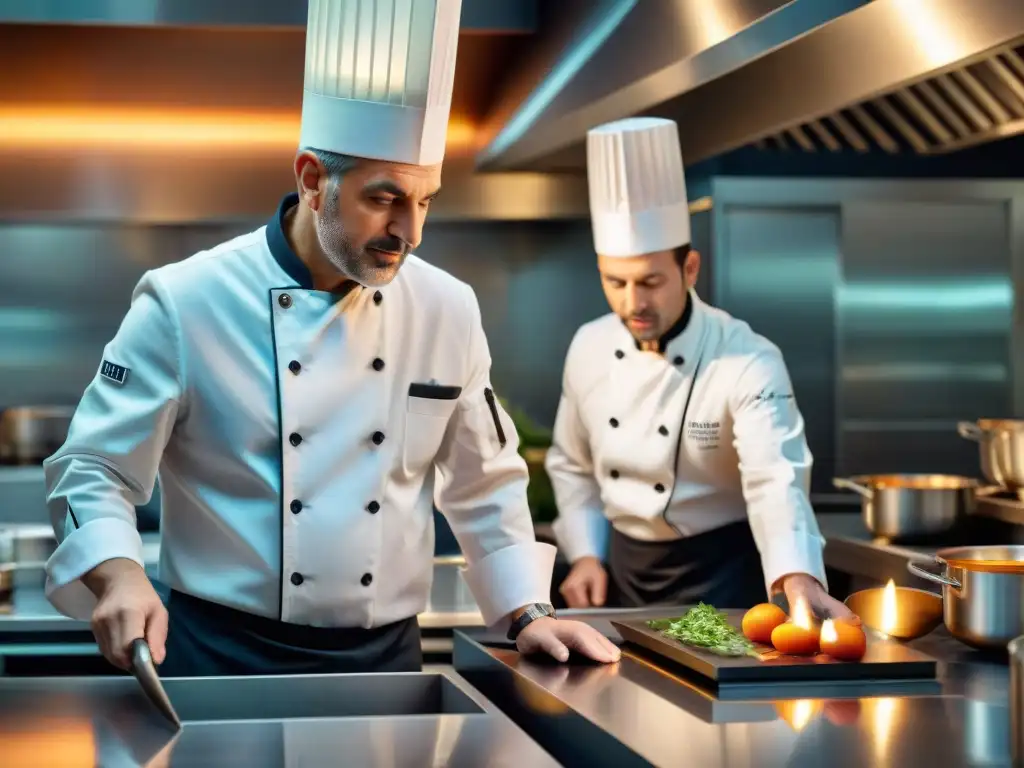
point(918, 611)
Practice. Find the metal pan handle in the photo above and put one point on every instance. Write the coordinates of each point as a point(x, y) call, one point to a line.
point(916, 569)
point(970, 430)
point(849, 485)
point(988, 490)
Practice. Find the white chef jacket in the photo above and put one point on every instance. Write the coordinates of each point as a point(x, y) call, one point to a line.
point(666, 446)
point(300, 438)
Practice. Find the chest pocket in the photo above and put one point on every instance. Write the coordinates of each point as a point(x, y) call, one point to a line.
point(429, 408)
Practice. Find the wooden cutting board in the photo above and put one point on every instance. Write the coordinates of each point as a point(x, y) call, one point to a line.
point(884, 660)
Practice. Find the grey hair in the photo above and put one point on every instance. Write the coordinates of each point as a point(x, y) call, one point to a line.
point(336, 165)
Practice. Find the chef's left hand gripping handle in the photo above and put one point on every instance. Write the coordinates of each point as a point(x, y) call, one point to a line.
point(128, 608)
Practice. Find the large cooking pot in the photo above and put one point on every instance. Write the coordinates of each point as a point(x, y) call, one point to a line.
point(1000, 449)
point(32, 433)
point(913, 505)
point(982, 593)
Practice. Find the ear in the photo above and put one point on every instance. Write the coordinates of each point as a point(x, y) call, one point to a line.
point(310, 179)
point(691, 268)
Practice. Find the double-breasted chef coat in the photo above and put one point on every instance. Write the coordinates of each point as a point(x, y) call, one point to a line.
point(670, 445)
point(300, 438)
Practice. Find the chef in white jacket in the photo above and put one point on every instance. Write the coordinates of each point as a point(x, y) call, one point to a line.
point(305, 392)
point(679, 459)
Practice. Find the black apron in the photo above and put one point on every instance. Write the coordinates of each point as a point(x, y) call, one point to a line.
point(207, 639)
point(721, 567)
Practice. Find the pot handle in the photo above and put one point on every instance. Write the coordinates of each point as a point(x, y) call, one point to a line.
point(917, 570)
point(842, 482)
point(970, 430)
point(988, 490)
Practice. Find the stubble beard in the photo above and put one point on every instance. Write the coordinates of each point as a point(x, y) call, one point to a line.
point(356, 264)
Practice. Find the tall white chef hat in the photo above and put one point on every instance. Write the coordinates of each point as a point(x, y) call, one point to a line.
point(379, 77)
point(637, 187)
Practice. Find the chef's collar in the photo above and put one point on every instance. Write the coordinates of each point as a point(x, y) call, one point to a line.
point(286, 258)
point(675, 331)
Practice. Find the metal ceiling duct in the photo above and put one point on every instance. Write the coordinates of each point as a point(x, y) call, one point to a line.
point(924, 75)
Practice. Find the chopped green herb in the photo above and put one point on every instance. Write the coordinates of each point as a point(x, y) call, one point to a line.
point(706, 628)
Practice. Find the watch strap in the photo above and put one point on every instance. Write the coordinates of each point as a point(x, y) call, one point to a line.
point(529, 615)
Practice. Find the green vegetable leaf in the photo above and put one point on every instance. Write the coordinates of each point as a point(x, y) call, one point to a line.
point(707, 628)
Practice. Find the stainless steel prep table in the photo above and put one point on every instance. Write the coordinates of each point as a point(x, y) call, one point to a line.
point(640, 712)
point(422, 719)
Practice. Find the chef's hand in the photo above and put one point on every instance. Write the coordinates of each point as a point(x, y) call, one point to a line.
point(803, 586)
point(557, 637)
point(586, 585)
point(128, 608)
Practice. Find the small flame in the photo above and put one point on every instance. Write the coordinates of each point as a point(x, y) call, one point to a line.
point(889, 612)
point(801, 614)
point(828, 632)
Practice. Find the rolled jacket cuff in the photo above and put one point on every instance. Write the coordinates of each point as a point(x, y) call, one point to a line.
point(95, 542)
point(510, 578)
point(795, 553)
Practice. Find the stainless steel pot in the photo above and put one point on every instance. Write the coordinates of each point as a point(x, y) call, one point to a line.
point(912, 505)
point(981, 607)
point(1000, 450)
point(32, 433)
point(1016, 649)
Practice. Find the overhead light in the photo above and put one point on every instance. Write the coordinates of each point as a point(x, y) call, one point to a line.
point(116, 128)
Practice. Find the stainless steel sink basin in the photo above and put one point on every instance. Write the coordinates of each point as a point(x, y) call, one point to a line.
point(275, 698)
point(409, 720)
point(222, 699)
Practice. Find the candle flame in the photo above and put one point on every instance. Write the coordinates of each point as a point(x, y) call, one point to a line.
point(801, 614)
point(889, 612)
point(828, 632)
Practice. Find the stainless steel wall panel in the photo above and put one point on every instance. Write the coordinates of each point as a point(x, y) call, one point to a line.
point(926, 306)
point(929, 310)
point(776, 268)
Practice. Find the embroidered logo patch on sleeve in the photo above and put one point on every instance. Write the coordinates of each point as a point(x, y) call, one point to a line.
point(115, 373)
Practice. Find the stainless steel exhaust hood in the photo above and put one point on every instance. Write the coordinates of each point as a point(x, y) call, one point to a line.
point(963, 107)
point(920, 75)
point(504, 16)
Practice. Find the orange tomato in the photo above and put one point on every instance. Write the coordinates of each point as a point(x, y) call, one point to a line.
point(843, 641)
point(794, 640)
point(761, 620)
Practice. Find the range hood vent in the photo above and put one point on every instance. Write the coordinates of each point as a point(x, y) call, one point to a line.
point(964, 107)
point(921, 76)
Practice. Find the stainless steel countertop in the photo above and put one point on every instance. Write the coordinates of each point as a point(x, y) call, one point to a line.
point(636, 713)
point(428, 719)
point(851, 549)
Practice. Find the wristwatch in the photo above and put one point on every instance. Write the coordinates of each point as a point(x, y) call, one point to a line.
point(531, 614)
